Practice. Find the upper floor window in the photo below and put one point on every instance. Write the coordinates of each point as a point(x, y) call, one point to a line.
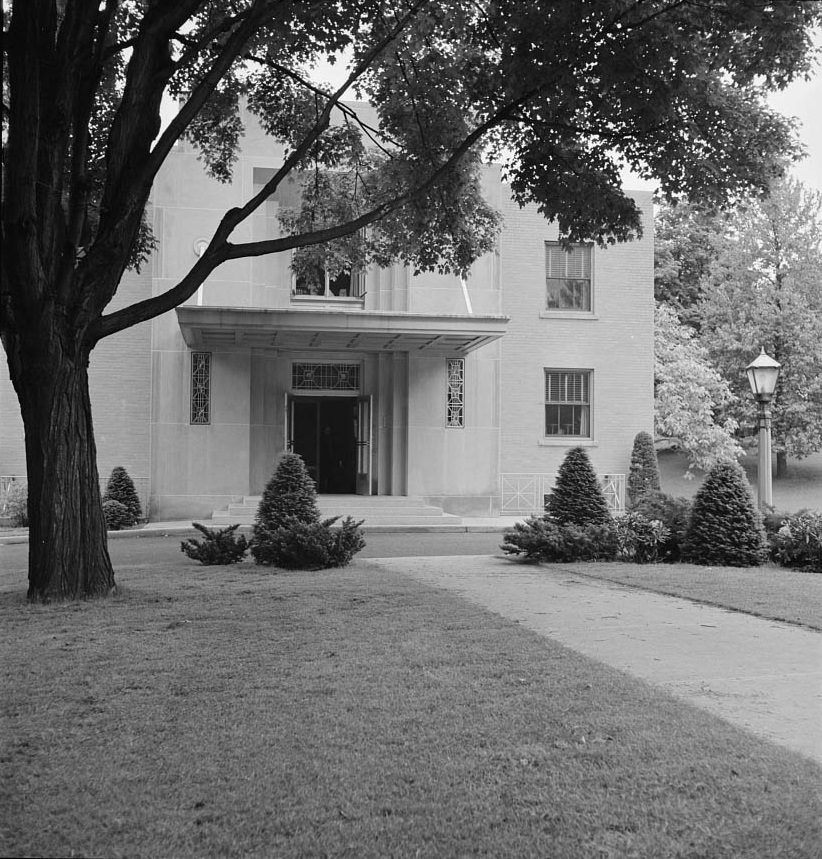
point(317, 281)
point(568, 277)
point(568, 403)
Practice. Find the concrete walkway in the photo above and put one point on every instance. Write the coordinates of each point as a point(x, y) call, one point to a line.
point(762, 675)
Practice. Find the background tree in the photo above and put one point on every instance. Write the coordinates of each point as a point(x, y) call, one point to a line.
point(563, 94)
point(689, 394)
point(765, 289)
point(687, 241)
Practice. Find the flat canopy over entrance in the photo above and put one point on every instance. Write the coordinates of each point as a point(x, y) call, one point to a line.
point(301, 329)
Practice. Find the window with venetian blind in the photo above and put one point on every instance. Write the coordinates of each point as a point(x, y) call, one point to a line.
point(568, 277)
point(568, 403)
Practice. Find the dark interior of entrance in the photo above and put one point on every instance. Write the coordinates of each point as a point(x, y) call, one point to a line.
point(325, 436)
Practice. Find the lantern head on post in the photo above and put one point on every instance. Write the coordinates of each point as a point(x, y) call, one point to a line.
point(763, 372)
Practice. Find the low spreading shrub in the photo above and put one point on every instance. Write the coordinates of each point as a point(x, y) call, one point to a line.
point(798, 541)
point(120, 487)
point(16, 505)
point(117, 515)
point(346, 540)
point(674, 514)
point(297, 545)
point(725, 527)
point(220, 546)
point(639, 539)
point(543, 539)
point(773, 520)
point(288, 531)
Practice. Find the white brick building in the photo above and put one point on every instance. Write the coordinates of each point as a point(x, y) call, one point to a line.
point(465, 394)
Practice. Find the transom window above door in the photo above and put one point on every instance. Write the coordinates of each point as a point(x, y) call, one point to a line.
point(325, 377)
point(568, 277)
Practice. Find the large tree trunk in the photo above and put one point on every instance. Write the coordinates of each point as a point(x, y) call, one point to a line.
point(781, 464)
point(68, 551)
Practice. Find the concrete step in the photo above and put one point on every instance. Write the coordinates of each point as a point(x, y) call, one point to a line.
point(348, 501)
point(377, 511)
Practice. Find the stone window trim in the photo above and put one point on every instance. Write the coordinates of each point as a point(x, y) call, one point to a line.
point(200, 398)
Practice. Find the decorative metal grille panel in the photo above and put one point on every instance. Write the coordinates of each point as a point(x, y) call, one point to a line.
point(456, 393)
point(613, 487)
point(201, 387)
point(526, 493)
point(325, 377)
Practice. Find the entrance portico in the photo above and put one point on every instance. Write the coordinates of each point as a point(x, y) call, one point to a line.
point(343, 389)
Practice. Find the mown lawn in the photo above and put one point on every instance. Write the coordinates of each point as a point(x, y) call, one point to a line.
point(773, 592)
point(236, 712)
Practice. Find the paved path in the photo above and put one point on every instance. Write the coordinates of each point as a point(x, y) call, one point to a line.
point(762, 675)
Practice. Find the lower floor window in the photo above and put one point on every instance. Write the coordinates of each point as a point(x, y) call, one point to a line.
point(568, 403)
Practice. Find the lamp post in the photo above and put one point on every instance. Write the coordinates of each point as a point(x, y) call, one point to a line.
point(763, 372)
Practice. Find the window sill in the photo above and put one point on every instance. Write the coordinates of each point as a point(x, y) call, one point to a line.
point(567, 441)
point(327, 301)
point(567, 314)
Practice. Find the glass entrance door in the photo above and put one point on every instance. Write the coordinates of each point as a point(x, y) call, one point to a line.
point(322, 430)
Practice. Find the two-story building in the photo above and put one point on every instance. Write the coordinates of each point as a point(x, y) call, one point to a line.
point(464, 393)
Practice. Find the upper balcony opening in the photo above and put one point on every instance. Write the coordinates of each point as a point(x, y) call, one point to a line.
point(317, 284)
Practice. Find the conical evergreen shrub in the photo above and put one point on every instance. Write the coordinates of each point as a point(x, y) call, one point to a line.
point(643, 473)
point(120, 487)
point(290, 493)
point(288, 532)
point(577, 498)
point(725, 528)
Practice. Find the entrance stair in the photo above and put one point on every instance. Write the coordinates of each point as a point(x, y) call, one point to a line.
point(378, 511)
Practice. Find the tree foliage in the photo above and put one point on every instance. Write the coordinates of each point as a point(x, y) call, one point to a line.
point(747, 278)
point(687, 242)
point(563, 94)
point(690, 394)
point(765, 289)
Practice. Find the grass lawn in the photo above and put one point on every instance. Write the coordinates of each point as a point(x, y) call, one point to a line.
point(235, 712)
point(773, 592)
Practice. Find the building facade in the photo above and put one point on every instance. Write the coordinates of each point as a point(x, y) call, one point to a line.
point(465, 393)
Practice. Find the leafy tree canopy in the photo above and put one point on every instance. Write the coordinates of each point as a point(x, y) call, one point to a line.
point(690, 395)
point(562, 93)
point(765, 289)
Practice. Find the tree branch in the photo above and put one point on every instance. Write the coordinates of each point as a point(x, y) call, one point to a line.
point(148, 309)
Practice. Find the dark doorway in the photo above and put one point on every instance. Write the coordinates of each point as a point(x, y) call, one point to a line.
point(323, 433)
